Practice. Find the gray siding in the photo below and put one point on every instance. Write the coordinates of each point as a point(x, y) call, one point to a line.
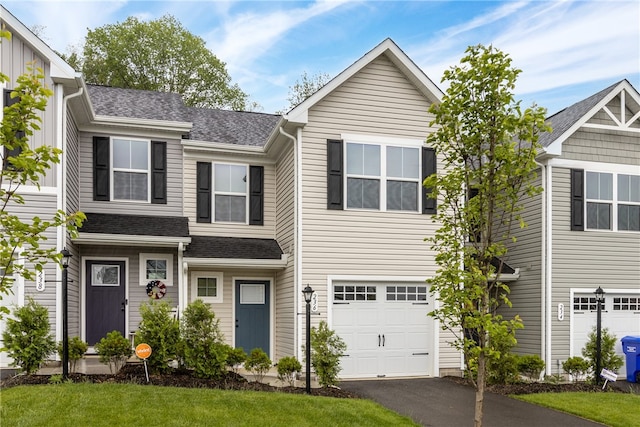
point(174, 181)
point(73, 170)
point(606, 146)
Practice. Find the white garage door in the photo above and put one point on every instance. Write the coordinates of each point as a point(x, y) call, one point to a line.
point(620, 315)
point(386, 329)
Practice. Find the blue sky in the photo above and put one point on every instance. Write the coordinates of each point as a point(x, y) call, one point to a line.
point(567, 50)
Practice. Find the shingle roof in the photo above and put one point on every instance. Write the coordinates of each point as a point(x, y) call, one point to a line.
point(137, 225)
point(232, 247)
point(231, 127)
point(139, 104)
point(564, 119)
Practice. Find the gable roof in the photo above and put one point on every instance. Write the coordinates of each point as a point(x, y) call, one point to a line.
point(566, 122)
point(390, 49)
point(231, 127)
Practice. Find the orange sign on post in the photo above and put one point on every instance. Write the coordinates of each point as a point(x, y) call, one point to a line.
point(143, 351)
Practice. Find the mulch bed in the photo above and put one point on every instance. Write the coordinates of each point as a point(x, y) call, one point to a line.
point(133, 373)
point(540, 387)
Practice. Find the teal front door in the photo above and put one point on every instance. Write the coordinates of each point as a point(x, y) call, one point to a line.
point(253, 315)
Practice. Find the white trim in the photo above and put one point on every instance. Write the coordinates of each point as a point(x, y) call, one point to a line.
point(113, 169)
point(32, 189)
point(129, 240)
point(143, 257)
point(247, 177)
point(250, 263)
point(595, 166)
point(158, 125)
point(218, 275)
point(271, 280)
point(549, 260)
point(382, 140)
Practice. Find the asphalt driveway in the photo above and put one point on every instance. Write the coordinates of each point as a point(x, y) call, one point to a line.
point(439, 402)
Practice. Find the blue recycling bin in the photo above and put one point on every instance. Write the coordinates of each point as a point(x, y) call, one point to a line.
point(631, 348)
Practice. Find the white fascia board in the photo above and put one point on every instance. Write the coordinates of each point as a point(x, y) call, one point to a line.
point(260, 264)
point(216, 147)
point(163, 125)
point(129, 240)
point(505, 278)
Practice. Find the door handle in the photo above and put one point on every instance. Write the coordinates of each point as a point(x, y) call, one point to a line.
point(378, 340)
point(237, 323)
point(383, 340)
point(124, 303)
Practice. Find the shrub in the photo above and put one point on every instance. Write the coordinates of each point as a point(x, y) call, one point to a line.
point(27, 338)
point(114, 350)
point(203, 348)
point(531, 365)
point(577, 367)
point(608, 357)
point(161, 331)
point(503, 369)
point(77, 349)
point(235, 358)
point(258, 363)
point(326, 350)
point(287, 369)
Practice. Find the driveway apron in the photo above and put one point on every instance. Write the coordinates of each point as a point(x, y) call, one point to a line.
point(438, 402)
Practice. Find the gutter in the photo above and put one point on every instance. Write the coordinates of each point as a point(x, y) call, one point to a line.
point(130, 240)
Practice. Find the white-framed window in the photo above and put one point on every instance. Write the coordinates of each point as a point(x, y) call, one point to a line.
point(230, 193)
point(130, 169)
point(156, 267)
point(613, 201)
point(206, 286)
point(382, 176)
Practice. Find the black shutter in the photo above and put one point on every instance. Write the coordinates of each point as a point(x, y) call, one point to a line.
point(203, 197)
point(577, 199)
point(159, 172)
point(101, 187)
point(256, 195)
point(335, 165)
point(429, 167)
point(15, 152)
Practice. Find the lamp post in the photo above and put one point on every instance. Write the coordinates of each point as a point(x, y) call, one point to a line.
point(66, 255)
point(599, 300)
point(308, 293)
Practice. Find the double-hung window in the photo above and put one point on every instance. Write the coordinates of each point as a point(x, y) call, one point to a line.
point(613, 201)
point(130, 169)
point(629, 202)
point(599, 200)
point(230, 192)
point(382, 177)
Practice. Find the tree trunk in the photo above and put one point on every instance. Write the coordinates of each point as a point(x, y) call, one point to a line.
point(480, 385)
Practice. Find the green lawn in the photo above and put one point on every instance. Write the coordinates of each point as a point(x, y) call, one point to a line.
point(138, 405)
point(612, 409)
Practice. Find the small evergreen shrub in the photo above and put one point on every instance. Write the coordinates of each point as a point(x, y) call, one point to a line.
point(235, 358)
point(288, 367)
point(608, 357)
point(531, 365)
point(203, 345)
point(114, 350)
point(161, 331)
point(577, 367)
point(27, 338)
point(258, 363)
point(503, 369)
point(326, 350)
point(77, 349)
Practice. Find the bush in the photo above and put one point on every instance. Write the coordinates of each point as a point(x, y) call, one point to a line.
point(326, 350)
point(287, 369)
point(114, 350)
point(161, 331)
point(77, 349)
point(27, 338)
point(503, 369)
point(235, 358)
point(203, 348)
point(258, 363)
point(608, 357)
point(531, 365)
point(577, 367)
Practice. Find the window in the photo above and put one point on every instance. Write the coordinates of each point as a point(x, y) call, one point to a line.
point(613, 201)
point(406, 293)
point(354, 293)
point(382, 177)
point(206, 286)
point(130, 160)
point(156, 267)
point(626, 303)
point(584, 303)
point(230, 193)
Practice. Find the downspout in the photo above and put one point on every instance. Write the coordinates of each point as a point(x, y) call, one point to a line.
point(297, 239)
point(548, 260)
point(181, 282)
point(543, 273)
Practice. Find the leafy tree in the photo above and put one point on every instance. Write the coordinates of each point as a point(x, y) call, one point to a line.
point(159, 55)
point(304, 88)
point(21, 249)
point(487, 145)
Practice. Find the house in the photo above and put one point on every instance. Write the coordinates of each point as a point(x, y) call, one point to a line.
point(584, 229)
point(244, 210)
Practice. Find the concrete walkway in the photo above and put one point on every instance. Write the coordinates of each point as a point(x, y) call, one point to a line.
point(439, 402)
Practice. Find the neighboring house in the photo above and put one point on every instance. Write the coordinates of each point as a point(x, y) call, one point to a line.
point(584, 229)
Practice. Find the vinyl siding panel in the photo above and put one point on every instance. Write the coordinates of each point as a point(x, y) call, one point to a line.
point(228, 229)
point(173, 207)
point(285, 319)
point(598, 145)
point(585, 259)
point(377, 101)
